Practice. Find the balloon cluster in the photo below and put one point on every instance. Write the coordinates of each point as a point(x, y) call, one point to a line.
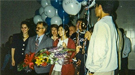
point(57, 11)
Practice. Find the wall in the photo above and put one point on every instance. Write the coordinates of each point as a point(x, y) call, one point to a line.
point(13, 13)
point(126, 20)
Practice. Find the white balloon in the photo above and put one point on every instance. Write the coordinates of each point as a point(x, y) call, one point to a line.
point(44, 3)
point(43, 16)
point(50, 11)
point(37, 19)
point(56, 20)
point(72, 7)
point(41, 10)
point(84, 3)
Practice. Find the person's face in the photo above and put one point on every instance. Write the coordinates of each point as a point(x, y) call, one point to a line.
point(61, 31)
point(40, 29)
point(78, 25)
point(98, 10)
point(54, 31)
point(24, 29)
point(71, 30)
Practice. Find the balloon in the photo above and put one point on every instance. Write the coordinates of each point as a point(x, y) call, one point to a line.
point(37, 19)
point(56, 3)
point(43, 16)
point(37, 12)
point(79, 0)
point(72, 7)
point(84, 3)
point(44, 3)
point(50, 11)
point(65, 20)
point(48, 30)
point(61, 12)
point(56, 20)
point(41, 10)
point(48, 20)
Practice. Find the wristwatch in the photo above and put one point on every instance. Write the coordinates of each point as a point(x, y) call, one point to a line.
point(92, 72)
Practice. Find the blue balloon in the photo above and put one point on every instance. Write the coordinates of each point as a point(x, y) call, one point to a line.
point(37, 12)
point(79, 0)
point(48, 30)
point(65, 20)
point(48, 21)
point(61, 12)
point(56, 3)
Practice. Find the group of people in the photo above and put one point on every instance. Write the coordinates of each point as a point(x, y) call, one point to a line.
point(96, 48)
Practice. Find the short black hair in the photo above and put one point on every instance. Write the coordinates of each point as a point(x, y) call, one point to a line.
point(44, 24)
point(54, 26)
point(109, 6)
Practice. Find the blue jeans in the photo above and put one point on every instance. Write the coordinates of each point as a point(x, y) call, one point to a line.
point(6, 60)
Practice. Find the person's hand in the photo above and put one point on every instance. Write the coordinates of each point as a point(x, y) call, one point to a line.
point(64, 45)
point(13, 62)
point(78, 48)
point(78, 63)
point(87, 35)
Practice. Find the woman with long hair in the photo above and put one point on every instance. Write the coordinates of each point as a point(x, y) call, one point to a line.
point(65, 42)
point(19, 44)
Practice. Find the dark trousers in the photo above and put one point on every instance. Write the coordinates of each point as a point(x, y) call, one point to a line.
point(124, 63)
point(124, 67)
point(80, 56)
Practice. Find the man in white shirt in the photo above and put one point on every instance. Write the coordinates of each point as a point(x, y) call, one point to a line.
point(102, 51)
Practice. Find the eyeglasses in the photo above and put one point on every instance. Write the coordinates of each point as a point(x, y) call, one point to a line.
point(39, 28)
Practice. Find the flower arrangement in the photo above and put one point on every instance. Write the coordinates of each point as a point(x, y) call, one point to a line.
point(44, 57)
point(28, 62)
